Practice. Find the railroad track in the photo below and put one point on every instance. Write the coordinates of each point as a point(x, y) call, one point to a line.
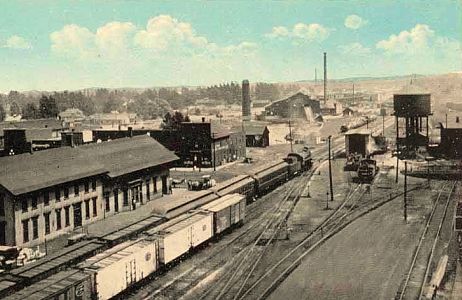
point(270, 280)
point(225, 249)
point(418, 273)
point(232, 281)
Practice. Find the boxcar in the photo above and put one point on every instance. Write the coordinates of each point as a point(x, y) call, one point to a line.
point(115, 269)
point(227, 211)
point(179, 235)
point(70, 284)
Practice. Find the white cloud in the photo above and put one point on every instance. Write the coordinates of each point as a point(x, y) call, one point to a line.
point(409, 42)
point(73, 40)
point(17, 42)
point(278, 31)
point(354, 49)
point(162, 36)
point(355, 22)
point(302, 31)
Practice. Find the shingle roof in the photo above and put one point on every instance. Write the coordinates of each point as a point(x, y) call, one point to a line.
point(254, 129)
point(29, 172)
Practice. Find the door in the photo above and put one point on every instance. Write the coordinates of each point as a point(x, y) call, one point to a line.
point(77, 214)
point(2, 233)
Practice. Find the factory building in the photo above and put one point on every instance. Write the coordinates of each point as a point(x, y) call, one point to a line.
point(451, 137)
point(35, 131)
point(298, 106)
point(49, 193)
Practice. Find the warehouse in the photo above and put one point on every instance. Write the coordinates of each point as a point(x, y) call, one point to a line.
point(294, 107)
point(48, 193)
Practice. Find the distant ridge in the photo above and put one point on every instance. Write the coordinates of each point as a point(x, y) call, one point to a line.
point(366, 78)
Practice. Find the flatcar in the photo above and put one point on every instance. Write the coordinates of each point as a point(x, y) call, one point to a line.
point(367, 170)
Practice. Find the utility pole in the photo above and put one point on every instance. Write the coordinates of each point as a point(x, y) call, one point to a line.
point(290, 136)
point(383, 125)
point(405, 191)
point(397, 166)
point(330, 173)
point(446, 121)
point(315, 76)
point(325, 77)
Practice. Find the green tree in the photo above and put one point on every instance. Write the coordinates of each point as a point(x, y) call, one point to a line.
point(48, 107)
point(15, 109)
point(173, 121)
point(2, 113)
point(30, 111)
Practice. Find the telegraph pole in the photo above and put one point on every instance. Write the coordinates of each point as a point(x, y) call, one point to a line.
point(325, 77)
point(290, 135)
point(397, 166)
point(405, 191)
point(330, 173)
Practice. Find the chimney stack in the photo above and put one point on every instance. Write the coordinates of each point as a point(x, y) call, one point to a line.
point(203, 119)
point(457, 119)
point(325, 76)
point(246, 111)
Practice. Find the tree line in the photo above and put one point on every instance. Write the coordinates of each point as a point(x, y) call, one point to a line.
point(148, 104)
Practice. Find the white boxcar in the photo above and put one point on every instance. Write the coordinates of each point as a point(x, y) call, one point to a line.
point(227, 211)
point(179, 235)
point(116, 269)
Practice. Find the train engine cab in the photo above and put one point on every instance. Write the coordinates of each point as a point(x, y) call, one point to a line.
point(367, 170)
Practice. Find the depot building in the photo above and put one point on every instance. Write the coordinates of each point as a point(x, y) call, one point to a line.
point(48, 193)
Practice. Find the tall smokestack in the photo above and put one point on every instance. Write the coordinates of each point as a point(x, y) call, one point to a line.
point(325, 77)
point(315, 76)
point(246, 113)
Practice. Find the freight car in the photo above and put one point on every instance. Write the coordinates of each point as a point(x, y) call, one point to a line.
point(367, 170)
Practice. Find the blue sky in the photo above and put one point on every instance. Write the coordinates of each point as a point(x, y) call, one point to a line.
point(56, 45)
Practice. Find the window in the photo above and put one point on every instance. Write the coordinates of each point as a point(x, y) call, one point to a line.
point(25, 231)
point(47, 222)
point(57, 194)
point(34, 201)
point(76, 189)
point(155, 184)
point(66, 216)
point(2, 204)
point(24, 205)
point(66, 192)
point(148, 194)
point(46, 198)
point(106, 201)
point(125, 198)
point(58, 219)
point(86, 186)
point(95, 209)
point(93, 185)
point(116, 200)
point(87, 209)
point(35, 228)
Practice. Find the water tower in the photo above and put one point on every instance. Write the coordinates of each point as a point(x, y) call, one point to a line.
point(412, 107)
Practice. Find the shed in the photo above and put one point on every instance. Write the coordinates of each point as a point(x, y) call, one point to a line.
point(358, 141)
point(256, 135)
